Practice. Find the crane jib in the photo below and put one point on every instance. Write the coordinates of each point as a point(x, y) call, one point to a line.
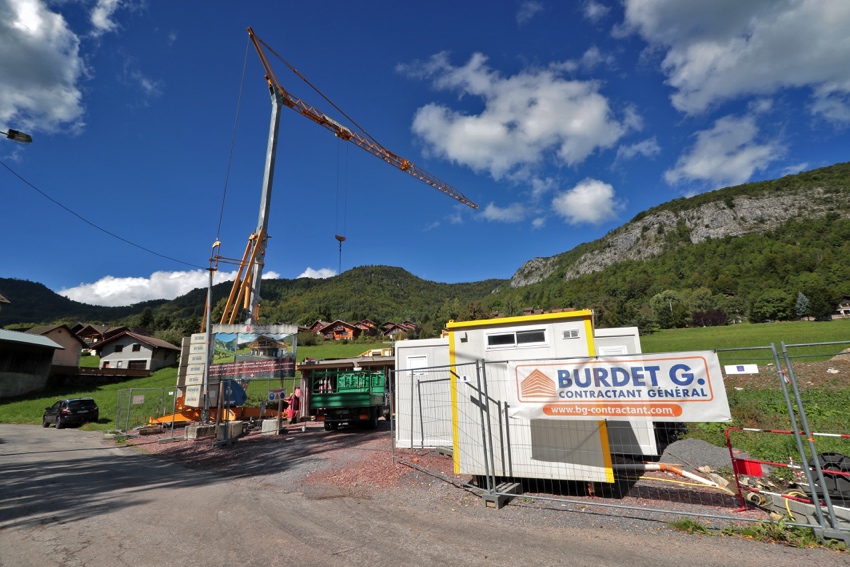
point(347, 134)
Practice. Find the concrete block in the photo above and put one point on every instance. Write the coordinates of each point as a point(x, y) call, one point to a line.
point(272, 427)
point(199, 431)
point(229, 430)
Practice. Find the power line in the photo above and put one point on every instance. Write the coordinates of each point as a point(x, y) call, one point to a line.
point(85, 220)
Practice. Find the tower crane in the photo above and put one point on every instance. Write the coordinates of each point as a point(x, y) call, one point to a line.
point(245, 294)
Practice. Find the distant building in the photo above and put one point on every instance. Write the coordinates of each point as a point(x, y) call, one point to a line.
point(339, 330)
point(93, 334)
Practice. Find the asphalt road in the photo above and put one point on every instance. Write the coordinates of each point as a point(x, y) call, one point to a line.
point(67, 499)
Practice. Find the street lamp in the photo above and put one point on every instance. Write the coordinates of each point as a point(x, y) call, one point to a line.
point(18, 136)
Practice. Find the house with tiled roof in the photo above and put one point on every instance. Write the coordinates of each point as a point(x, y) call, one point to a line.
point(72, 345)
point(339, 330)
point(367, 327)
point(318, 326)
point(134, 351)
point(93, 334)
point(400, 330)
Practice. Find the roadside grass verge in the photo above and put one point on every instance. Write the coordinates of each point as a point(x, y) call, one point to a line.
point(768, 532)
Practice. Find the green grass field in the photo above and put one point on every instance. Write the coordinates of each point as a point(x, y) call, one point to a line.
point(738, 336)
point(762, 406)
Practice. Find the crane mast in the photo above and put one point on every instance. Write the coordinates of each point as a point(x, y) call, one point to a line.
point(245, 293)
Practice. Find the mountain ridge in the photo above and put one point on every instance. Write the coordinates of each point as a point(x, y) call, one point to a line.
point(727, 250)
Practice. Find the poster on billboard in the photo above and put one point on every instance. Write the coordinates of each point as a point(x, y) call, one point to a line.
point(682, 386)
point(253, 352)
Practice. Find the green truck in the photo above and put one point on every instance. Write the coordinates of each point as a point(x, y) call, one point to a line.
point(353, 397)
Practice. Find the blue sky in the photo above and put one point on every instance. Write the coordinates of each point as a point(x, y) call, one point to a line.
point(562, 120)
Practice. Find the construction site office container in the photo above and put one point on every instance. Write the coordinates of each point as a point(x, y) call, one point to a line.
point(423, 394)
point(521, 448)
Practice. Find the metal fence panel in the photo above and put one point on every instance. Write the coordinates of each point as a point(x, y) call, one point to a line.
point(553, 462)
point(137, 405)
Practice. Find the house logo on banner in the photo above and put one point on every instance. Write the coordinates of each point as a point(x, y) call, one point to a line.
point(684, 386)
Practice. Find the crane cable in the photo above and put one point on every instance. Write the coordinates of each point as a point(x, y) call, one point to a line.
point(320, 93)
point(232, 141)
point(340, 236)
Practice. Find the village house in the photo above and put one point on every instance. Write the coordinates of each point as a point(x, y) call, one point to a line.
point(93, 334)
point(339, 330)
point(136, 352)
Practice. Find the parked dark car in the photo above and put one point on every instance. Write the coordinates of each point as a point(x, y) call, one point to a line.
point(75, 411)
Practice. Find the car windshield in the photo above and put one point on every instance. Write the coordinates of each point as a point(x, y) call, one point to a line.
point(79, 404)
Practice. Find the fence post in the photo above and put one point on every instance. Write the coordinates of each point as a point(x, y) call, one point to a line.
point(833, 522)
point(492, 451)
point(796, 429)
point(490, 487)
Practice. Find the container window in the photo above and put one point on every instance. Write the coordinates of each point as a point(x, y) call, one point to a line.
point(502, 339)
point(534, 337)
point(529, 337)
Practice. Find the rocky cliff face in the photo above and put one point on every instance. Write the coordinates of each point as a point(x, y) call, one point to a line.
point(646, 237)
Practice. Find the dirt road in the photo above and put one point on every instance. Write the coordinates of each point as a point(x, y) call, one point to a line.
point(69, 499)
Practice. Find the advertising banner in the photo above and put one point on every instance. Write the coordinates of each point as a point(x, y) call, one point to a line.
point(253, 369)
point(682, 386)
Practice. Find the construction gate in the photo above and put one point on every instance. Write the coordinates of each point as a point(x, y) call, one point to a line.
point(450, 423)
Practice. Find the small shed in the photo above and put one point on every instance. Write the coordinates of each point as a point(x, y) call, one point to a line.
point(25, 362)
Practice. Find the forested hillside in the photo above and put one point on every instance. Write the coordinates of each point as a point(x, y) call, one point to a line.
point(773, 250)
point(379, 293)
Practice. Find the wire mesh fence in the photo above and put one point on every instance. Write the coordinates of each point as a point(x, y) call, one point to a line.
point(456, 422)
point(136, 406)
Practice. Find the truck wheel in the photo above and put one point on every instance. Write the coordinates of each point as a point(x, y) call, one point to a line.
point(331, 426)
point(373, 420)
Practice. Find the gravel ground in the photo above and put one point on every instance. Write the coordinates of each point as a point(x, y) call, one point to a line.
point(358, 463)
point(350, 462)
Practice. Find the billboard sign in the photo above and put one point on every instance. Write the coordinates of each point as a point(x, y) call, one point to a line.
point(683, 386)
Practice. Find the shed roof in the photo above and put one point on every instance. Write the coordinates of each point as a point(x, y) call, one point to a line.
point(44, 329)
point(25, 338)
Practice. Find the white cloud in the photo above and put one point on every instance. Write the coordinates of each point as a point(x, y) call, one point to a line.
point(101, 16)
point(143, 86)
point(525, 118)
point(40, 68)
point(111, 291)
point(319, 274)
point(726, 154)
point(795, 168)
point(527, 11)
point(514, 212)
point(595, 11)
point(724, 49)
point(647, 148)
point(591, 201)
